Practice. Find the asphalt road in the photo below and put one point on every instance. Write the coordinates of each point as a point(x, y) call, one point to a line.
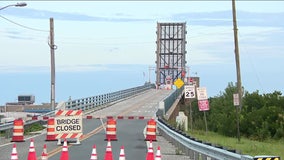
point(129, 132)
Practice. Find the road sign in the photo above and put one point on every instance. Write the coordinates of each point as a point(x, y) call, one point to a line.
point(236, 99)
point(201, 93)
point(68, 124)
point(189, 91)
point(203, 105)
point(178, 83)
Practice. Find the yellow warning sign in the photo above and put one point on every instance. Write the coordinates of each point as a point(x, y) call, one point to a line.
point(178, 83)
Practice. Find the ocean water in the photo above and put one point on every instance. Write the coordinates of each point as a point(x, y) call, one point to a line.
point(74, 84)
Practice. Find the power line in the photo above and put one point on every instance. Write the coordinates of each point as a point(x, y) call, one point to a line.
point(34, 29)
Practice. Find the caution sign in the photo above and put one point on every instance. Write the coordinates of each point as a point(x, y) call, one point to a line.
point(266, 158)
point(68, 124)
point(179, 83)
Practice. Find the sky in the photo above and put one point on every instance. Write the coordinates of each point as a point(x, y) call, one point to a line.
point(105, 46)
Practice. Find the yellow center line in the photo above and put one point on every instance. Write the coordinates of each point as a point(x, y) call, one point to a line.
point(58, 149)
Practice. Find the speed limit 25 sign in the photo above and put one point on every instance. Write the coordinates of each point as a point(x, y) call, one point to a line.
point(189, 91)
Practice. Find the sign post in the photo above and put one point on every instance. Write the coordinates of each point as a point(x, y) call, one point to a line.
point(203, 103)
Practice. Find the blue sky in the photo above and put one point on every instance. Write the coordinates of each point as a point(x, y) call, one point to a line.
point(95, 37)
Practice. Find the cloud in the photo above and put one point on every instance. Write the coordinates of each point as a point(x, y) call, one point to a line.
point(223, 18)
point(69, 68)
point(216, 18)
point(112, 50)
point(43, 14)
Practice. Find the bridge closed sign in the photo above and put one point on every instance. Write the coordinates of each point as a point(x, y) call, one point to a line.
point(68, 124)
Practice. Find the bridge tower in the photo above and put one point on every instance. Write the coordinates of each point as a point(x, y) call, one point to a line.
point(170, 53)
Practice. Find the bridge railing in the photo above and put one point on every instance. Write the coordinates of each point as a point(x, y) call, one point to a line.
point(92, 102)
point(99, 100)
point(169, 101)
point(196, 150)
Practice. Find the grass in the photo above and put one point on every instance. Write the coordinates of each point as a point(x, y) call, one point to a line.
point(245, 146)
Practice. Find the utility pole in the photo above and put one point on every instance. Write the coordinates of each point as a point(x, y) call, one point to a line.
point(52, 48)
point(239, 82)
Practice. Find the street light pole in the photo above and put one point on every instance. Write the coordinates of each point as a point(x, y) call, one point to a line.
point(22, 4)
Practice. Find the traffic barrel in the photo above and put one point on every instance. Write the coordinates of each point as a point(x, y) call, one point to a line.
point(50, 130)
point(64, 154)
point(111, 130)
point(18, 131)
point(151, 130)
point(94, 153)
point(32, 152)
point(122, 154)
point(14, 154)
point(108, 155)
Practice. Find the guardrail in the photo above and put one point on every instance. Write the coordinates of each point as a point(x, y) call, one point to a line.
point(95, 101)
point(92, 102)
point(194, 149)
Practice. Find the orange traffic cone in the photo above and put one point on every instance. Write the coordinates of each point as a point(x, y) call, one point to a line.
point(122, 155)
point(94, 153)
point(44, 153)
point(14, 155)
point(32, 152)
point(150, 153)
point(64, 153)
point(108, 155)
point(158, 154)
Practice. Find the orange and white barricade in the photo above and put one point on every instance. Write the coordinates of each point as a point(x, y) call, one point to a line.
point(111, 130)
point(50, 131)
point(18, 131)
point(151, 130)
point(68, 124)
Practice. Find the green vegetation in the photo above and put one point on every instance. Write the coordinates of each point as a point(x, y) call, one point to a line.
point(33, 128)
point(261, 121)
point(245, 146)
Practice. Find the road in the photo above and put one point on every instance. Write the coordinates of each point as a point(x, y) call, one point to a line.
point(129, 131)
